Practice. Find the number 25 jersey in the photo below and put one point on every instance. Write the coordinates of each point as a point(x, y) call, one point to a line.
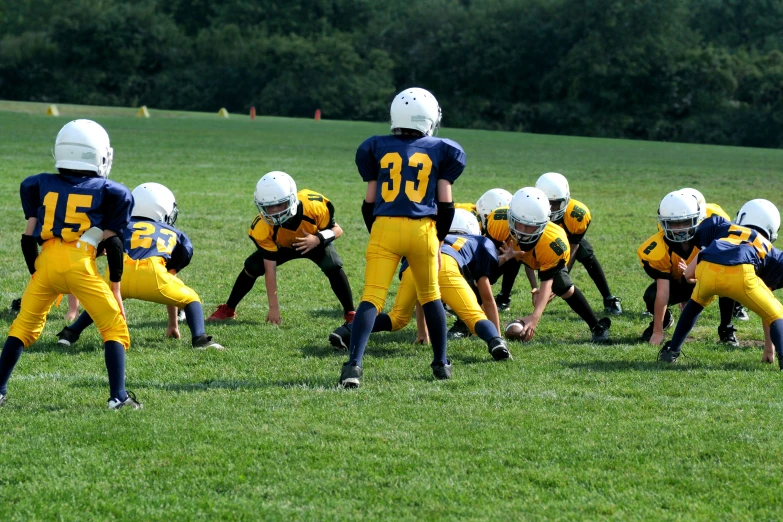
point(145, 238)
point(407, 170)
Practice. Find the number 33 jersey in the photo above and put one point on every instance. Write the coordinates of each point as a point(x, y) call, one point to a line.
point(407, 170)
point(68, 206)
point(145, 238)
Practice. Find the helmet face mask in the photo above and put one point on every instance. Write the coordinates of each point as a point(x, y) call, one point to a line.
point(679, 214)
point(156, 202)
point(415, 109)
point(528, 215)
point(83, 145)
point(760, 214)
point(556, 188)
point(489, 201)
point(275, 198)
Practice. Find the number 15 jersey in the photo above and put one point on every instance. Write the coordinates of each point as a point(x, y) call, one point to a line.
point(407, 169)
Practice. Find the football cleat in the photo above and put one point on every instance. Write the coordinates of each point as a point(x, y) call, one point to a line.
point(67, 337)
point(16, 306)
point(668, 321)
point(130, 401)
point(441, 371)
point(341, 337)
point(350, 376)
point(498, 349)
point(458, 331)
point(668, 355)
point(601, 330)
point(204, 342)
point(740, 312)
point(223, 313)
point(503, 301)
point(3, 399)
point(181, 315)
point(726, 334)
point(612, 305)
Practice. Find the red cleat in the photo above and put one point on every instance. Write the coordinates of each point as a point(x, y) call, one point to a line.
point(223, 313)
point(349, 317)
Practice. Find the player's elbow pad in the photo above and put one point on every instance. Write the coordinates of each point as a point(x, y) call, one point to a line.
point(30, 251)
point(368, 210)
point(114, 253)
point(444, 218)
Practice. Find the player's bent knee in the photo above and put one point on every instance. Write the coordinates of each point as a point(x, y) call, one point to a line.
point(562, 285)
point(254, 266)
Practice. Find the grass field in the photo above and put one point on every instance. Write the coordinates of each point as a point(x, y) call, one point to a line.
point(567, 430)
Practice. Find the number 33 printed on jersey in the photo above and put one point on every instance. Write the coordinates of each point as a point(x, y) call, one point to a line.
point(393, 162)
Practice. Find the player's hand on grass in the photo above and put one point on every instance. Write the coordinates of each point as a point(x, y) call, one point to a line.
point(305, 244)
point(656, 338)
point(769, 356)
point(531, 323)
point(273, 316)
point(172, 332)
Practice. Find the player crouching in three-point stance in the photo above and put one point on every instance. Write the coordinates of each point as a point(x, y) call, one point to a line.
point(731, 256)
point(408, 210)
point(466, 255)
point(69, 214)
point(541, 245)
point(154, 252)
point(290, 225)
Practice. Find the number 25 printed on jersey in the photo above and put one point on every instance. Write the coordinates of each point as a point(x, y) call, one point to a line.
point(391, 189)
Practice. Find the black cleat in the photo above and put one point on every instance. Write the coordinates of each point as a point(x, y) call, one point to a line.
point(668, 322)
point(441, 371)
point(458, 331)
point(740, 312)
point(205, 341)
point(67, 337)
point(16, 306)
point(612, 305)
point(130, 401)
point(341, 337)
point(667, 354)
point(498, 349)
point(601, 330)
point(350, 376)
point(726, 334)
point(503, 301)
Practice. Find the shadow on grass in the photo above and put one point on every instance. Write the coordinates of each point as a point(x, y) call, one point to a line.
point(656, 366)
point(46, 346)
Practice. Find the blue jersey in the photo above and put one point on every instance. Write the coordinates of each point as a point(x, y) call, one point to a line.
point(146, 238)
point(475, 255)
point(407, 170)
point(68, 206)
point(771, 271)
point(725, 243)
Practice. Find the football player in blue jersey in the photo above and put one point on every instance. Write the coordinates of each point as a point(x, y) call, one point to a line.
point(729, 259)
point(155, 252)
point(408, 210)
point(69, 214)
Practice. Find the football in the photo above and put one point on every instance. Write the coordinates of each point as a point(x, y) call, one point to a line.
point(514, 330)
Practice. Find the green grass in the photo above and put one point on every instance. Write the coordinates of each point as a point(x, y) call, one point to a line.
point(566, 430)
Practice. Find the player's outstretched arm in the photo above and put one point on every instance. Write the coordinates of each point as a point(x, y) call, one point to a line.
point(769, 348)
point(531, 321)
point(30, 245)
point(572, 259)
point(114, 257)
point(690, 271)
point(172, 328)
point(659, 309)
point(270, 279)
point(488, 301)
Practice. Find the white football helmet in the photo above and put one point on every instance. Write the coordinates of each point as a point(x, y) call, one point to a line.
point(464, 222)
point(83, 145)
point(529, 206)
point(700, 199)
point(492, 199)
point(276, 188)
point(156, 202)
point(678, 215)
point(556, 188)
point(761, 214)
point(416, 109)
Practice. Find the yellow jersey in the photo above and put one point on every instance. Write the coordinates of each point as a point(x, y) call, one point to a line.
point(497, 225)
point(550, 253)
point(660, 261)
point(575, 221)
point(313, 214)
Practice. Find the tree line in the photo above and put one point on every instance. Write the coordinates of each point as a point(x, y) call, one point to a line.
point(704, 71)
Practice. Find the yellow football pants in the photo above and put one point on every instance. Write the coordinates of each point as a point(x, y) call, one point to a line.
point(740, 283)
point(68, 268)
point(455, 290)
point(390, 239)
point(148, 280)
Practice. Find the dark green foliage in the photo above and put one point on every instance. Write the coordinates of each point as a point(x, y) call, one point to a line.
point(701, 70)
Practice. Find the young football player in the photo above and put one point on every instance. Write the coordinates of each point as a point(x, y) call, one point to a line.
point(730, 255)
point(155, 252)
point(486, 204)
point(664, 257)
point(408, 210)
point(290, 225)
point(543, 246)
point(467, 256)
point(69, 214)
point(574, 217)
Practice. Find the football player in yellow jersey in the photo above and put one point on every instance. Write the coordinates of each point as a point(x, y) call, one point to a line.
point(543, 246)
point(574, 217)
point(290, 225)
point(664, 257)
